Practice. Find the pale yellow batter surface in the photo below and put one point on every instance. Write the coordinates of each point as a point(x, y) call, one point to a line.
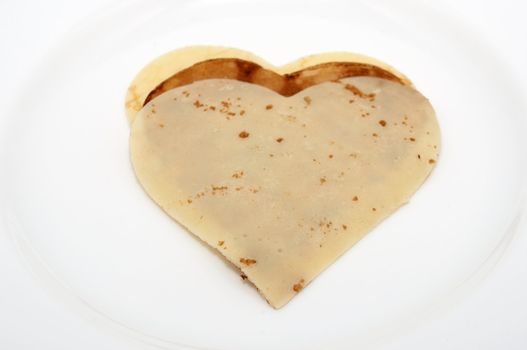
point(281, 186)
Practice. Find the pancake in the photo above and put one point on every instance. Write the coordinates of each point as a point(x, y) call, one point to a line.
point(280, 181)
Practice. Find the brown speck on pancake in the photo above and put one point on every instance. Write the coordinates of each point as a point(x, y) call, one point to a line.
point(238, 174)
point(357, 92)
point(247, 261)
point(297, 287)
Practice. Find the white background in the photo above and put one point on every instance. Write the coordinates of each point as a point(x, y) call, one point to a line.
point(492, 316)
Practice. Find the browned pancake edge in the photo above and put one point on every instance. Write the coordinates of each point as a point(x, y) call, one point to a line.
point(285, 85)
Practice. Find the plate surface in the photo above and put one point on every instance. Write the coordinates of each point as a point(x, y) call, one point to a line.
point(80, 218)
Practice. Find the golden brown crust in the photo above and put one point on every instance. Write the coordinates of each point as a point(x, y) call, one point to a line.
point(286, 85)
point(173, 62)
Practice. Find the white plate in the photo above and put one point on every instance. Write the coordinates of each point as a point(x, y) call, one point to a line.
point(85, 225)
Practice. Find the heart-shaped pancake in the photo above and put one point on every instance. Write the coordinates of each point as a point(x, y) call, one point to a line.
point(283, 185)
